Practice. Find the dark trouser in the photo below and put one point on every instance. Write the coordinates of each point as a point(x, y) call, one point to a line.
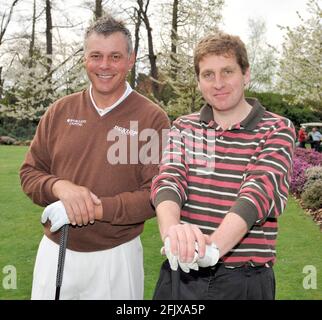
point(316, 145)
point(219, 283)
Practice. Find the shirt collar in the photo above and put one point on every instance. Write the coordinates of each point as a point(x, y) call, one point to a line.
point(102, 112)
point(249, 123)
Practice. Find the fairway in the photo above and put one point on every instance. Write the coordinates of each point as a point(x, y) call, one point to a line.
point(299, 242)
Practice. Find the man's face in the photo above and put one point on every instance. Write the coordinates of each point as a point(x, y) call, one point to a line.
point(107, 63)
point(222, 82)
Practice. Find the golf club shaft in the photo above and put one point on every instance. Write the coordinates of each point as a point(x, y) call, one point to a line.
point(61, 259)
point(175, 284)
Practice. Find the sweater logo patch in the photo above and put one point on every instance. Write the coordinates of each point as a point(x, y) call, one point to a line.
point(125, 131)
point(76, 122)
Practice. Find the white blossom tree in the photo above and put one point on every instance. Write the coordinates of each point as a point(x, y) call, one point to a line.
point(34, 78)
point(195, 19)
point(261, 57)
point(300, 66)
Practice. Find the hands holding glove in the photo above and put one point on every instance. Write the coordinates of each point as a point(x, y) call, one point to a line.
point(56, 214)
point(174, 261)
point(210, 258)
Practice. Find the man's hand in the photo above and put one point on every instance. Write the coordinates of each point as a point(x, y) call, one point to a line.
point(182, 241)
point(78, 201)
point(174, 261)
point(210, 258)
point(56, 214)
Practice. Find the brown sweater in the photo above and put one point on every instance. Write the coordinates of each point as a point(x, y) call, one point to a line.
point(74, 142)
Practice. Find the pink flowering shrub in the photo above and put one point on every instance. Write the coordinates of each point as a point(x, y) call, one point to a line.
point(302, 160)
point(312, 157)
point(298, 176)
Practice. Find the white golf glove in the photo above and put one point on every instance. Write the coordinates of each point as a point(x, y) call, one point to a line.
point(174, 261)
point(210, 258)
point(56, 214)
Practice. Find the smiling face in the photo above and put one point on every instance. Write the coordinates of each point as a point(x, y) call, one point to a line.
point(107, 64)
point(222, 82)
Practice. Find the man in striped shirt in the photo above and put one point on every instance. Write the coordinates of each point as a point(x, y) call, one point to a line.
point(223, 181)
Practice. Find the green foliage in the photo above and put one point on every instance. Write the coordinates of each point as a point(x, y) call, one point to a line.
point(312, 175)
point(18, 129)
point(312, 196)
point(277, 103)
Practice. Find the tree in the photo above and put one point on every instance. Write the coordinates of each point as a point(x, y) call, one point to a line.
point(154, 73)
point(174, 39)
point(261, 57)
point(137, 23)
point(4, 22)
point(300, 65)
point(49, 36)
point(190, 22)
point(32, 36)
point(34, 78)
point(98, 9)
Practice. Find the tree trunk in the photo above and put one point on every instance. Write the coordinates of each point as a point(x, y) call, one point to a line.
point(174, 40)
point(98, 9)
point(49, 36)
point(1, 83)
point(32, 40)
point(137, 17)
point(3, 28)
point(4, 23)
point(152, 56)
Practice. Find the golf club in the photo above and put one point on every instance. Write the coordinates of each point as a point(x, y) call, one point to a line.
point(61, 259)
point(175, 284)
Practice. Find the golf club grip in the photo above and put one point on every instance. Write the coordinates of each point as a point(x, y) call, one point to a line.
point(61, 259)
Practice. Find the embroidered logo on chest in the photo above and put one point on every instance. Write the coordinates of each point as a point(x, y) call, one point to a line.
point(76, 122)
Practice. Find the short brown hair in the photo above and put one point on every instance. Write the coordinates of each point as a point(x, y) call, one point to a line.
point(221, 44)
point(106, 26)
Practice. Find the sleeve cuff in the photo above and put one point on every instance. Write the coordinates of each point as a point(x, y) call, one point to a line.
point(246, 210)
point(109, 205)
point(48, 189)
point(167, 194)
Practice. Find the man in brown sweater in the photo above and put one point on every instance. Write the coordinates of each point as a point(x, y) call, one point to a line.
point(91, 163)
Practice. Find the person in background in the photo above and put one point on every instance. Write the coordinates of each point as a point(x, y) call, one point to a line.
point(72, 167)
point(315, 138)
point(222, 184)
point(302, 137)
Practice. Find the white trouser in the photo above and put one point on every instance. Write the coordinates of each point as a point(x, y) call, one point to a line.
point(113, 274)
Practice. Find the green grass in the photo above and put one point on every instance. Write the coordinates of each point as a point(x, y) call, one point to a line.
point(299, 244)
point(20, 229)
point(299, 240)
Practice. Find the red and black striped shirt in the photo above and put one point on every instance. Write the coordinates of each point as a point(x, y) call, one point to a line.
point(245, 169)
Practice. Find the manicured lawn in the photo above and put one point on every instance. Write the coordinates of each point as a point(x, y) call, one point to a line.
point(299, 245)
point(299, 241)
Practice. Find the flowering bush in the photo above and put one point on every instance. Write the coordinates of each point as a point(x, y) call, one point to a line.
point(303, 159)
point(298, 176)
point(310, 156)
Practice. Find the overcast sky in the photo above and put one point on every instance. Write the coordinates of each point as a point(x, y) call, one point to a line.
point(273, 12)
point(235, 16)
